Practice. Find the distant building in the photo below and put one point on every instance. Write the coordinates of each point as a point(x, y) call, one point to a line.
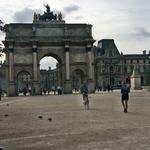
point(49, 78)
point(112, 67)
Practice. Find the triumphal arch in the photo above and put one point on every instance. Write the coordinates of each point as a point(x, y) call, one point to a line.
point(27, 43)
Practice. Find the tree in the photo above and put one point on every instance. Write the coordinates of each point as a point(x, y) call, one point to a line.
point(1, 50)
point(2, 26)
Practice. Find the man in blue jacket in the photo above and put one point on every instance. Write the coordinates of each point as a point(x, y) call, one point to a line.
point(125, 90)
point(84, 91)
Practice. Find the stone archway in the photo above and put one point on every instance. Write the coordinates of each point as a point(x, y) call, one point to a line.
point(23, 81)
point(26, 44)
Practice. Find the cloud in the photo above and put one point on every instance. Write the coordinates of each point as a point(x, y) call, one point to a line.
point(78, 17)
point(26, 15)
point(71, 8)
point(73, 19)
point(140, 33)
point(143, 32)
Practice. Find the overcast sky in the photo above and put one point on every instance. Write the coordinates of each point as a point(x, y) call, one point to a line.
point(125, 21)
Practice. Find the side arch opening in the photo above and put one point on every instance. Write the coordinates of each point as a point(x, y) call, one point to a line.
point(24, 82)
point(78, 77)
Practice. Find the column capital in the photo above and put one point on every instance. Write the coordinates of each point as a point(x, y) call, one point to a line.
point(88, 48)
point(34, 44)
point(34, 41)
point(11, 46)
point(34, 49)
point(11, 49)
point(66, 43)
point(67, 48)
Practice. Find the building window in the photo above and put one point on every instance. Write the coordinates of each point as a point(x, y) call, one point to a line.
point(110, 53)
point(131, 69)
point(128, 61)
point(142, 80)
point(119, 69)
point(125, 69)
point(111, 69)
point(135, 61)
point(128, 69)
point(141, 69)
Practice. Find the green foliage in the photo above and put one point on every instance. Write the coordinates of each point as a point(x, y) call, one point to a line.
point(1, 50)
point(147, 77)
point(2, 26)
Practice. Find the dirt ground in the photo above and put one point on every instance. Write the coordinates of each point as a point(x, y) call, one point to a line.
point(55, 122)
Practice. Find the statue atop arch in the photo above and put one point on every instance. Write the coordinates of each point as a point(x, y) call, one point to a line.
point(48, 15)
point(47, 8)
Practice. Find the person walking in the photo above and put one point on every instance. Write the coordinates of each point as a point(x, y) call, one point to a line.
point(84, 91)
point(125, 90)
point(1, 94)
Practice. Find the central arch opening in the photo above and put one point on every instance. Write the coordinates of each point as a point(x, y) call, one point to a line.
point(50, 75)
point(47, 62)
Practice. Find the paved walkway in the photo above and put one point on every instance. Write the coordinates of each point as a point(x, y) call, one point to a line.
point(61, 123)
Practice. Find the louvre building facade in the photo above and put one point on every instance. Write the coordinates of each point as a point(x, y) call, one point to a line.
point(112, 67)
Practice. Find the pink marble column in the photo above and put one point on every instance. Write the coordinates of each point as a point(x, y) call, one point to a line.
point(89, 61)
point(67, 63)
point(11, 64)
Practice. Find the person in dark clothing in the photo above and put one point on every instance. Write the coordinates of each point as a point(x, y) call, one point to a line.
point(41, 91)
point(44, 90)
point(30, 91)
point(25, 91)
point(1, 94)
point(108, 87)
point(84, 91)
point(125, 90)
point(111, 88)
point(99, 88)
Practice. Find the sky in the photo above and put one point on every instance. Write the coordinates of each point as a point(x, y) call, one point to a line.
point(125, 21)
